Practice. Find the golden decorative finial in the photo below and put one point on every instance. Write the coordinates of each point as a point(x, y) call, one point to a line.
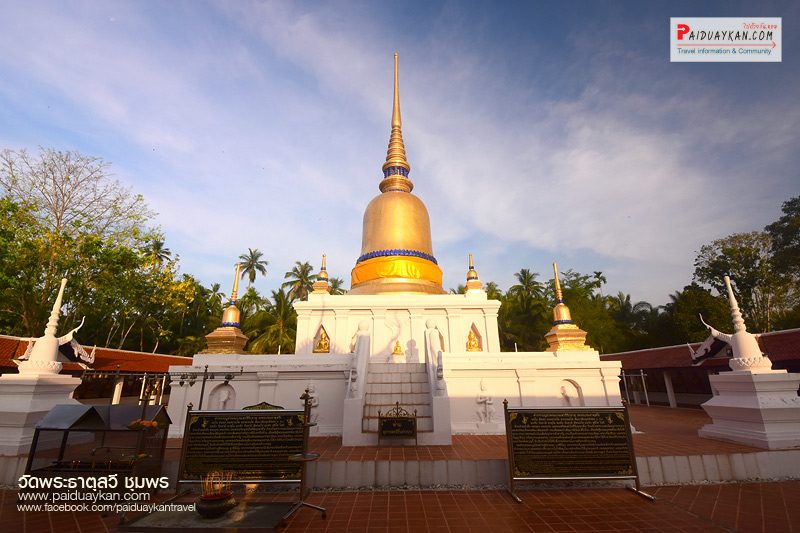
point(235, 291)
point(564, 335)
point(396, 167)
point(473, 282)
point(321, 284)
point(561, 314)
point(323, 272)
point(231, 315)
point(396, 121)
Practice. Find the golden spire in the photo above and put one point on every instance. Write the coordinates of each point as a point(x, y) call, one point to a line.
point(231, 315)
point(321, 284)
point(396, 167)
point(564, 335)
point(235, 291)
point(323, 271)
point(561, 314)
point(473, 282)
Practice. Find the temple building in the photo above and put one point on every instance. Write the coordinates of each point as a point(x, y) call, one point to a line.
point(397, 336)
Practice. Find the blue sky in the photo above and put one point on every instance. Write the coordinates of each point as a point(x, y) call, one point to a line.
point(535, 131)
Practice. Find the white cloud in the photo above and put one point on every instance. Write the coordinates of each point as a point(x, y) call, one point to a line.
point(264, 125)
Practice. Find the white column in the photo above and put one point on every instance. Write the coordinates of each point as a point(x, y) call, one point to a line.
point(670, 390)
point(117, 395)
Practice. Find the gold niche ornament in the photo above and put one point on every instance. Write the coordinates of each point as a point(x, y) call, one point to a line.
point(398, 350)
point(324, 343)
point(473, 345)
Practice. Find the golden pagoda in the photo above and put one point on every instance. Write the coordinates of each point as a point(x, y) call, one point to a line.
point(564, 335)
point(228, 338)
point(473, 282)
point(396, 251)
point(322, 285)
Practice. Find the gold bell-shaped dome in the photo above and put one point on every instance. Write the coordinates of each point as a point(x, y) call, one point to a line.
point(396, 251)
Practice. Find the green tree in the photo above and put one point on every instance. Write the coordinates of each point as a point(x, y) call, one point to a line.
point(680, 321)
point(157, 252)
point(761, 289)
point(785, 234)
point(337, 286)
point(252, 264)
point(523, 317)
point(591, 311)
point(67, 198)
point(300, 281)
point(273, 328)
point(460, 289)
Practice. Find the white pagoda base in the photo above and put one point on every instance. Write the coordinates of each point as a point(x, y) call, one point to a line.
point(453, 390)
point(757, 409)
point(24, 401)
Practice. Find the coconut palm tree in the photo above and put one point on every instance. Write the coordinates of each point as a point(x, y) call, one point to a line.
point(527, 286)
point(157, 252)
point(300, 280)
point(337, 286)
point(274, 327)
point(252, 264)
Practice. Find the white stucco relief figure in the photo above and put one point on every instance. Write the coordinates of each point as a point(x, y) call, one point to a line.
point(434, 344)
point(485, 405)
point(222, 397)
point(314, 401)
point(565, 399)
point(433, 355)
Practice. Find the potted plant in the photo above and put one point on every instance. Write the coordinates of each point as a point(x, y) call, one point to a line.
point(217, 498)
point(147, 425)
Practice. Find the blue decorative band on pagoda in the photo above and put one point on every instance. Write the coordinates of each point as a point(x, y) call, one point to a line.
point(396, 251)
point(557, 322)
point(394, 171)
point(229, 324)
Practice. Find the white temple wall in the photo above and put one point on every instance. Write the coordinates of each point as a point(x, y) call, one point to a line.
point(275, 379)
point(396, 317)
point(531, 379)
point(534, 379)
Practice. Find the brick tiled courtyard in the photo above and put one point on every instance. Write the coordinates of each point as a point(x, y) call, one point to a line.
point(746, 507)
point(763, 507)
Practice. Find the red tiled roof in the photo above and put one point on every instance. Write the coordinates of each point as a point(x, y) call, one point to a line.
point(106, 359)
point(779, 345)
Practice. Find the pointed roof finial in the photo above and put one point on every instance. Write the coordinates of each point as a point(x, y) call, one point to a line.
point(323, 271)
point(235, 291)
point(561, 314)
point(559, 295)
point(738, 321)
point(396, 120)
point(321, 284)
point(471, 274)
point(52, 323)
point(231, 314)
point(396, 167)
point(473, 282)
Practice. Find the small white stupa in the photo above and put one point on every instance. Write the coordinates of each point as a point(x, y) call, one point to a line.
point(754, 404)
point(26, 397)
